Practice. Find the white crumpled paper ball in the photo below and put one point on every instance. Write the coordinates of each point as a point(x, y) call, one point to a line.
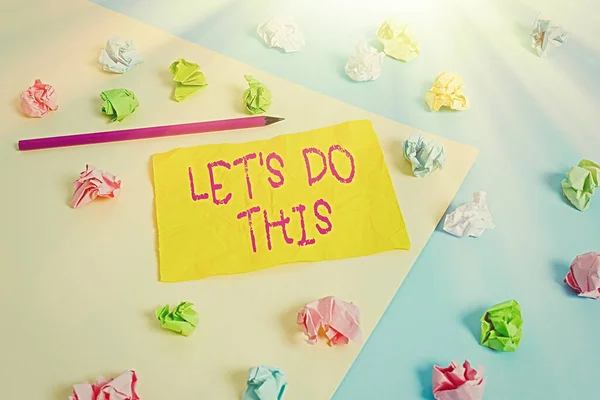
point(470, 219)
point(119, 55)
point(282, 32)
point(365, 64)
point(546, 34)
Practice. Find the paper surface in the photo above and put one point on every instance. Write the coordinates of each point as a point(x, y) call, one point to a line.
point(458, 382)
point(257, 98)
point(38, 99)
point(584, 275)
point(398, 40)
point(265, 383)
point(502, 326)
point(424, 155)
point(581, 183)
point(93, 183)
point(188, 79)
point(267, 301)
point(120, 388)
point(365, 64)
point(546, 34)
point(183, 319)
point(470, 219)
point(118, 103)
point(282, 32)
point(318, 195)
point(338, 320)
point(447, 92)
point(119, 55)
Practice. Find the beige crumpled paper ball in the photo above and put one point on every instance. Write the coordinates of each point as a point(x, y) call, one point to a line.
point(447, 92)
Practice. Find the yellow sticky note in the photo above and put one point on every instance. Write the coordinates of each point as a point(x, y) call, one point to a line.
point(233, 208)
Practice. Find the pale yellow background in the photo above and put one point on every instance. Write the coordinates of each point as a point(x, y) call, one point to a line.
point(197, 239)
point(78, 287)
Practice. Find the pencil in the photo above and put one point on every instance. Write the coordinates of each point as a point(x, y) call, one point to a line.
point(146, 133)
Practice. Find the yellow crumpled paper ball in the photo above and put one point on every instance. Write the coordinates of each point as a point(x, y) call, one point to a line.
point(447, 91)
point(398, 40)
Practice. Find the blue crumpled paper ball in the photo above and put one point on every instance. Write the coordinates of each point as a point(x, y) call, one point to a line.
point(265, 383)
point(425, 155)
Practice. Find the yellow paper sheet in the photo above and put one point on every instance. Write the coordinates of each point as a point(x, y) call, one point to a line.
point(234, 208)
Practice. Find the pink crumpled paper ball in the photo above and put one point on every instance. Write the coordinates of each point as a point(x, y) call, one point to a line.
point(38, 99)
point(93, 183)
point(337, 319)
point(458, 382)
point(584, 275)
point(120, 388)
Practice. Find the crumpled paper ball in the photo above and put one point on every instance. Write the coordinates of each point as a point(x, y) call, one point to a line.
point(38, 99)
point(120, 388)
point(282, 32)
point(183, 319)
point(447, 92)
point(94, 183)
point(398, 40)
point(581, 182)
point(546, 33)
point(257, 98)
point(584, 275)
point(502, 326)
point(337, 319)
point(265, 383)
point(458, 382)
point(365, 64)
point(188, 78)
point(118, 103)
point(119, 55)
point(424, 155)
point(470, 219)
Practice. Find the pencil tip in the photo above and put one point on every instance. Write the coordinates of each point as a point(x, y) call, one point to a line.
point(272, 120)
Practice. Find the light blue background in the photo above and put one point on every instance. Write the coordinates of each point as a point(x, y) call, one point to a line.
point(531, 118)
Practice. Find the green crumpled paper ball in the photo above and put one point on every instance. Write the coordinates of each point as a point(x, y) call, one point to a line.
point(188, 79)
point(183, 319)
point(581, 182)
point(118, 103)
point(502, 326)
point(257, 98)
